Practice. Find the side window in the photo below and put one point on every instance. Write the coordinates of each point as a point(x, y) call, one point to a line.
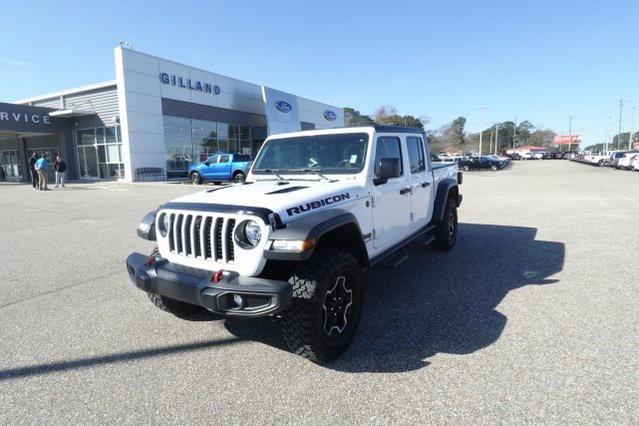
point(223, 159)
point(388, 147)
point(416, 154)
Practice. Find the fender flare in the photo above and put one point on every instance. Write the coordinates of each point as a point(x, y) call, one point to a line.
point(314, 226)
point(146, 228)
point(444, 189)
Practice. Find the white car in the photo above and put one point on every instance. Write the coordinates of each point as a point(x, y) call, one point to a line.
point(526, 155)
point(538, 156)
point(625, 162)
point(635, 163)
point(317, 208)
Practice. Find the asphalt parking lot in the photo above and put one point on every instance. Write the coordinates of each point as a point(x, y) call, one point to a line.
point(533, 317)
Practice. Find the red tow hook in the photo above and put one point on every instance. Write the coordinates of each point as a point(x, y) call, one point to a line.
point(217, 276)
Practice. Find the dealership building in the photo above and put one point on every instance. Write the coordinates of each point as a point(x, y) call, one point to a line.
point(154, 119)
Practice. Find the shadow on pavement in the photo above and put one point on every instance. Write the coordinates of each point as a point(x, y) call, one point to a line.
point(437, 302)
point(434, 302)
point(52, 367)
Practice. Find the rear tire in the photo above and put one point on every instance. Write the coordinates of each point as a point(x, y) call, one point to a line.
point(196, 179)
point(446, 229)
point(327, 306)
point(239, 178)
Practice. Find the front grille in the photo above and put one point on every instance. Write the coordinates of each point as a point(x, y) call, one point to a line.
point(202, 237)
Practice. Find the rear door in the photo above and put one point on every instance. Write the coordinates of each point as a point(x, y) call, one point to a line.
point(421, 182)
point(391, 200)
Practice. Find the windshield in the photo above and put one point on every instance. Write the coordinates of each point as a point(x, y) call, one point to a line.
point(330, 154)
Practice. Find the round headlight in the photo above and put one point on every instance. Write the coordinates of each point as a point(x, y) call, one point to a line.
point(253, 233)
point(163, 224)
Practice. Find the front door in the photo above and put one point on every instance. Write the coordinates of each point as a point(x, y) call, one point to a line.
point(88, 162)
point(421, 181)
point(222, 168)
point(391, 200)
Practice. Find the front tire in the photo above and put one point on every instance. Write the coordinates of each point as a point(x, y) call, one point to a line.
point(196, 179)
point(179, 309)
point(327, 306)
point(446, 229)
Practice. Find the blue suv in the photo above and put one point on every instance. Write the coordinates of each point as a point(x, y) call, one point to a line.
point(221, 168)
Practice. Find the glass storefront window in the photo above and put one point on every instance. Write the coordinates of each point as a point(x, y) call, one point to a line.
point(110, 134)
point(86, 137)
point(100, 153)
point(245, 133)
point(99, 135)
point(187, 141)
point(113, 154)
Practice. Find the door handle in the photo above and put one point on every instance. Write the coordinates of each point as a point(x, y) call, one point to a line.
point(425, 184)
point(405, 191)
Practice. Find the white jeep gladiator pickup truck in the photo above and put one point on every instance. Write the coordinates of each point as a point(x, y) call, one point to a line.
point(317, 208)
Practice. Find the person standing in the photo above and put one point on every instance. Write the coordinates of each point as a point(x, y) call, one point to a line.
point(42, 166)
point(60, 168)
point(33, 171)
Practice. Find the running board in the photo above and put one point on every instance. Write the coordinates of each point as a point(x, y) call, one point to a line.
point(395, 259)
point(425, 240)
point(396, 254)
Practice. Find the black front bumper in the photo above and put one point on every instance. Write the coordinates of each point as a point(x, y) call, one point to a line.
point(261, 297)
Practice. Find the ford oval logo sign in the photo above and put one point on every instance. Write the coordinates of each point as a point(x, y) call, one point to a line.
point(283, 106)
point(330, 115)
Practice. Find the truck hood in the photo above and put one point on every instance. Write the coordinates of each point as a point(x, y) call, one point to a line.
point(290, 199)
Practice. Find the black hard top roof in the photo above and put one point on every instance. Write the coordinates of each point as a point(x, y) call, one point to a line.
point(397, 129)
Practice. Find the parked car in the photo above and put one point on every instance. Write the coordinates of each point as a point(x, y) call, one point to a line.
point(614, 158)
point(221, 168)
point(440, 158)
point(292, 245)
point(635, 163)
point(625, 162)
point(496, 157)
point(569, 155)
point(483, 162)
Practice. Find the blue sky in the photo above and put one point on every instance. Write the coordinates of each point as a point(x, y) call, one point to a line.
point(536, 60)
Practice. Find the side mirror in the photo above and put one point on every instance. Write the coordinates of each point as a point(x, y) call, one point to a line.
point(387, 168)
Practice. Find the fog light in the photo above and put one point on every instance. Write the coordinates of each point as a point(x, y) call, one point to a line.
point(239, 300)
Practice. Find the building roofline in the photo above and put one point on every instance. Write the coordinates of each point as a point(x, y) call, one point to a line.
point(66, 92)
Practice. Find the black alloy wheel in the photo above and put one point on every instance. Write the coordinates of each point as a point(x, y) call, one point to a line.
point(336, 311)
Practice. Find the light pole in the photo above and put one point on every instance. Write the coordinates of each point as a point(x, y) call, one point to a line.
point(569, 131)
point(481, 124)
point(632, 125)
point(619, 134)
point(496, 137)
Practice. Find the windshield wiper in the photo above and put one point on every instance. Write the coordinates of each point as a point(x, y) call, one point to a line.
point(275, 172)
point(317, 172)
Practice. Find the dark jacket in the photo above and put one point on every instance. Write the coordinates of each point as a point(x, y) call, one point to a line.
point(32, 162)
point(60, 166)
